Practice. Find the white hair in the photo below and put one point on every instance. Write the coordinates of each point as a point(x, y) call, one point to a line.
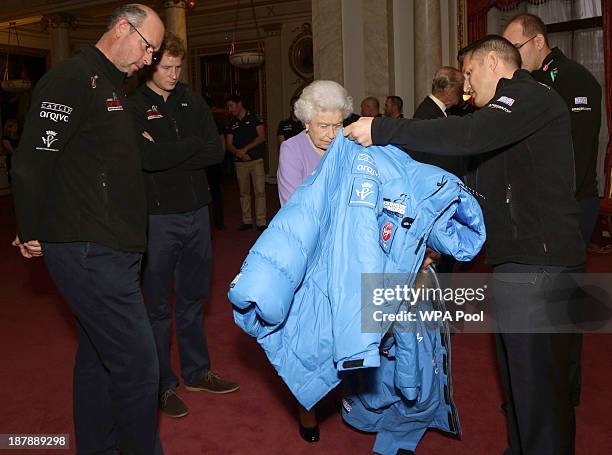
point(322, 96)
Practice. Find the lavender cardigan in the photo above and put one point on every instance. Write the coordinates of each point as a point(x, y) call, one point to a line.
point(297, 160)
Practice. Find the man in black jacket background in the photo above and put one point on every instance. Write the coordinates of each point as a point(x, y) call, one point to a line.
point(582, 95)
point(80, 201)
point(533, 235)
point(179, 140)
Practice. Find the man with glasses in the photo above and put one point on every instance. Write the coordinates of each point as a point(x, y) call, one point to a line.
point(582, 95)
point(80, 202)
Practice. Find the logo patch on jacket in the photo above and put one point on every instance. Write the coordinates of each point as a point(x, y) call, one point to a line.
point(365, 157)
point(506, 100)
point(387, 232)
point(49, 139)
point(55, 112)
point(364, 191)
point(346, 404)
point(153, 113)
point(581, 100)
point(361, 168)
point(114, 103)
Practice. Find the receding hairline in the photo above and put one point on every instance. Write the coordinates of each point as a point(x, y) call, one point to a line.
point(531, 25)
point(124, 11)
point(370, 99)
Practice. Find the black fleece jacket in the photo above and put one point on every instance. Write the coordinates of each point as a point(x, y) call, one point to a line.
point(527, 178)
point(185, 143)
point(77, 173)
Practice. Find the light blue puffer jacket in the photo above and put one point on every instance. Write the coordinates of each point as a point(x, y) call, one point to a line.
point(363, 210)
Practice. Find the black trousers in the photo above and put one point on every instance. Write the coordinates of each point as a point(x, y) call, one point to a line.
point(535, 363)
point(213, 174)
point(179, 251)
point(116, 371)
point(589, 210)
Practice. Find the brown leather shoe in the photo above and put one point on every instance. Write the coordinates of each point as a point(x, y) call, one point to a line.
point(172, 405)
point(212, 383)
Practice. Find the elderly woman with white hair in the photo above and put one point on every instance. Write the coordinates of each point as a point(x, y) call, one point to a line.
point(322, 107)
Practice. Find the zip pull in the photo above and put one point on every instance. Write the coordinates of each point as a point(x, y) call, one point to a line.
point(419, 245)
point(178, 136)
point(508, 193)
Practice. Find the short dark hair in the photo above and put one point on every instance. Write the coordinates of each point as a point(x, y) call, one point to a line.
point(233, 98)
point(172, 45)
point(461, 54)
point(396, 101)
point(445, 76)
point(498, 44)
point(532, 25)
point(133, 13)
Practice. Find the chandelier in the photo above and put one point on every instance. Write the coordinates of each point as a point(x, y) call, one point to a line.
point(8, 84)
point(250, 58)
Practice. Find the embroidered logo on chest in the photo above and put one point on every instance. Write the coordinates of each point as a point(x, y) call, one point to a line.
point(153, 113)
point(114, 103)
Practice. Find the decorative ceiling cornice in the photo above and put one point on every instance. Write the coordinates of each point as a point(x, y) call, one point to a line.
point(58, 20)
point(16, 9)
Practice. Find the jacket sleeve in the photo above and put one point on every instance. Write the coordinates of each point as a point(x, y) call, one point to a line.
point(276, 264)
point(161, 156)
point(406, 377)
point(289, 174)
point(460, 231)
point(494, 126)
point(58, 105)
point(211, 151)
point(156, 156)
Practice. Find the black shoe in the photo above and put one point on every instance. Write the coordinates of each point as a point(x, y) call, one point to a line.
point(245, 227)
point(503, 408)
point(172, 405)
point(220, 226)
point(404, 452)
point(309, 434)
point(262, 227)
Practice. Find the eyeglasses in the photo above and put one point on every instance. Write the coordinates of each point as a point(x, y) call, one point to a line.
point(148, 46)
point(518, 46)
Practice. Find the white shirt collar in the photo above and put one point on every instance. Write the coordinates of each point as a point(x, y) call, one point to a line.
point(440, 104)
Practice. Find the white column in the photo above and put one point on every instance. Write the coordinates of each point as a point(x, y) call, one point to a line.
point(351, 46)
point(274, 93)
point(327, 40)
point(176, 22)
point(58, 26)
point(427, 45)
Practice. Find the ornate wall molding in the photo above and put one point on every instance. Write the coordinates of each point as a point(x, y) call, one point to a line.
point(58, 20)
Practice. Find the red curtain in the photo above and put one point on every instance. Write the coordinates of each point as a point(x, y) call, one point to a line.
point(477, 14)
point(606, 12)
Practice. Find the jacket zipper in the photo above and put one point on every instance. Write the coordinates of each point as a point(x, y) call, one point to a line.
point(511, 210)
point(176, 130)
point(453, 418)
